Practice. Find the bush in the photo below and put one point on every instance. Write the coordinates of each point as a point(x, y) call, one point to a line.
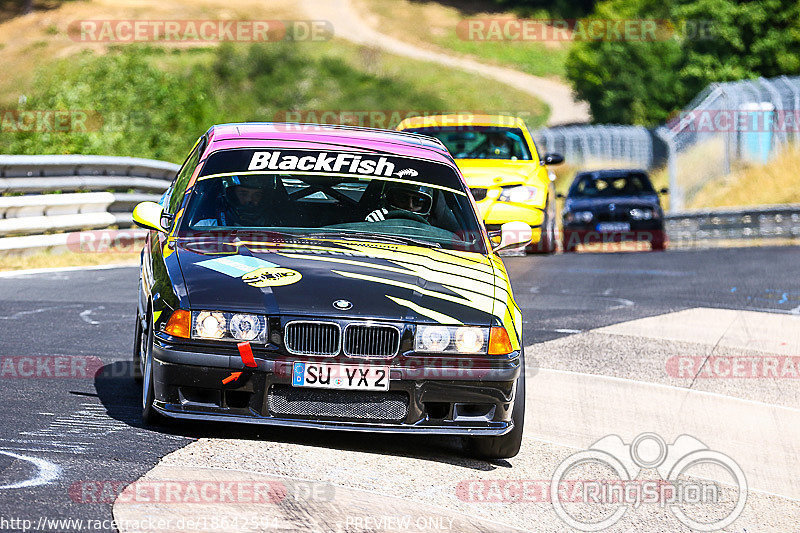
point(151, 108)
point(134, 108)
point(643, 82)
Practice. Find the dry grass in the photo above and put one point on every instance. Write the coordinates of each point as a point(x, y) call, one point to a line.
point(777, 182)
point(66, 259)
point(433, 25)
point(40, 37)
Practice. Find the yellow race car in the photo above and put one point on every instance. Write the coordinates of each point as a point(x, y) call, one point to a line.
point(503, 169)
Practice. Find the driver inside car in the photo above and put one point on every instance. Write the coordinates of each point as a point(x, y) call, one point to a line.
point(498, 146)
point(243, 203)
point(408, 201)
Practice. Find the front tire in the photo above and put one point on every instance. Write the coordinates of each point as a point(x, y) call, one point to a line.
point(508, 445)
point(138, 343)
point(149, 414)
point(658, 242)
point(548, 239)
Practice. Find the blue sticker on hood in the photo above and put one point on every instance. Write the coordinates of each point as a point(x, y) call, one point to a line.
point(236, 266)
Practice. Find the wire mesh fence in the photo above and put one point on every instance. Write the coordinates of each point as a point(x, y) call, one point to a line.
point(581, 145)
point(725, 126)
point(728, 124)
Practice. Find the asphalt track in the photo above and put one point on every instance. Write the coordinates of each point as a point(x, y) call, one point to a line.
point(599, 329)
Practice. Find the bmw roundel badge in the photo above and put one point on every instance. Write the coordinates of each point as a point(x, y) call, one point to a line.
point(344, 305)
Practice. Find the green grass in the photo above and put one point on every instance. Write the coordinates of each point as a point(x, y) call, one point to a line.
point(155, 101)
point(533, 58)
point(434, 23)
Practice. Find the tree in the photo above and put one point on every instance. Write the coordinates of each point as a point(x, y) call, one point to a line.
point(643, 82)
point(564, 8)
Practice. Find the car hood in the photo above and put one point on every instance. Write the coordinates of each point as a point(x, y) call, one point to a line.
point(305, 278)
point(625, 202)
point(493, 172)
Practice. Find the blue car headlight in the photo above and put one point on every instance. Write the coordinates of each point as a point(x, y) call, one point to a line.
point(642, 214)
point(579, 216)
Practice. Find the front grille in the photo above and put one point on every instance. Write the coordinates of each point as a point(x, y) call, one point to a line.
point(369, 340)
point(312, 338)
point(293, 402)
point(479, 193)
point(620, 215)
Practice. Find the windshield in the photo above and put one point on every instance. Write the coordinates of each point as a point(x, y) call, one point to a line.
point(480, 142)
point(410, 202)
point(592, 186)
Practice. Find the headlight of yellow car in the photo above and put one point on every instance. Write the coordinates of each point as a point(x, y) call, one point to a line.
point(521, 194)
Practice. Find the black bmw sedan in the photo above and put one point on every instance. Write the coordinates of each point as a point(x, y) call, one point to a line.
point(605, 206)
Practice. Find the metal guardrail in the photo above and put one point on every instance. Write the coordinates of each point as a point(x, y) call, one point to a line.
point(84, 165)
point(736, 223)
point(23, 213)
point(27, 214)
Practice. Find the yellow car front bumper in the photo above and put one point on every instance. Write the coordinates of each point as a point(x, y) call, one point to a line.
point(496, 213)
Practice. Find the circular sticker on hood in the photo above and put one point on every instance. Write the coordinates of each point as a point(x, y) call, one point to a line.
point(271, 277)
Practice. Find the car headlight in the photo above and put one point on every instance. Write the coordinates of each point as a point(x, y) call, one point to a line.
point(218, 325)
point(520, 194)
point(641, 214)
point(209, 325)
point(245, 327)
point(451, 339)
point(579, 216)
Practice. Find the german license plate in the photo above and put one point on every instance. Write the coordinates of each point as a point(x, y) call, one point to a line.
point(347, 377)
point(614, 226)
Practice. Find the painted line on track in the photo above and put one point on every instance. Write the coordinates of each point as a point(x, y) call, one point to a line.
point(47, 472)
point(55, 270)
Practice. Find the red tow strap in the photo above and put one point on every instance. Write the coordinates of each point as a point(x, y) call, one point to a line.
point(246, 353)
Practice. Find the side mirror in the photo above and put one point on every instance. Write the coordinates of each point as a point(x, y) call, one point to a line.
point(663, 191)
point(552, 159)
point(511, 235)
point(148, 215)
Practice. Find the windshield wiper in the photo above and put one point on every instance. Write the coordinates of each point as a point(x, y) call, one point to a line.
point(382, 237)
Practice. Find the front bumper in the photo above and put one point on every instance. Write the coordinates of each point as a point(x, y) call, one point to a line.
point(430, 395)
point(640, 231)
point(496, 212)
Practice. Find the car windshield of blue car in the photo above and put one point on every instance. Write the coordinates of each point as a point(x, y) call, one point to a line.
point(591, 186)
point(337, 205)
point(480, 142)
